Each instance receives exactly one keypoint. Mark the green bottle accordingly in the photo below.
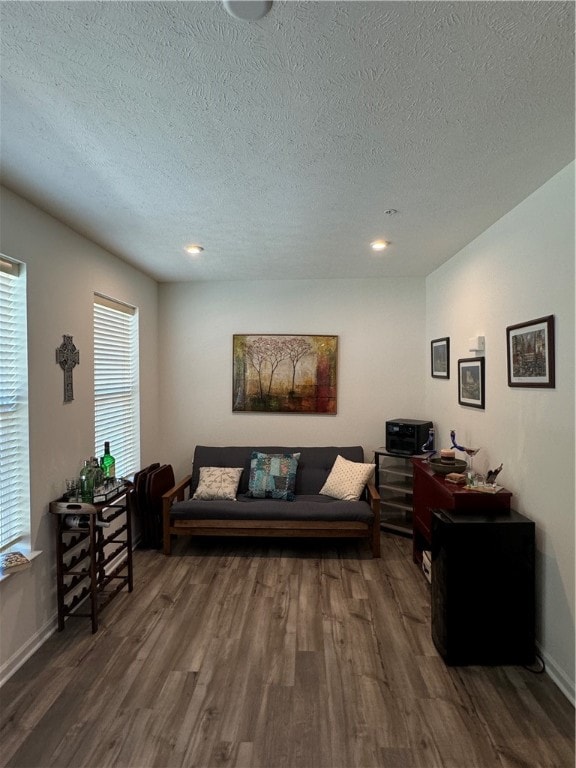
(108, 462)
(87, 483)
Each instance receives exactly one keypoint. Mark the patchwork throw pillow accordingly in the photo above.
(218, 483)
(347, 479)
(273, 475)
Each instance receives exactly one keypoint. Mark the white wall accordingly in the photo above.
(379, 324)
(520, 269)
(63, 271)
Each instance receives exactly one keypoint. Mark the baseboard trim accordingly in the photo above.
(558, 676)
(29, 648)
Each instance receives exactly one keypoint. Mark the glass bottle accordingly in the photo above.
(83, 522)
(108, 462)
(98, 474)
(87, 482)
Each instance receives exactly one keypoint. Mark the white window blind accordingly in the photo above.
(116, 383)
(14, 452)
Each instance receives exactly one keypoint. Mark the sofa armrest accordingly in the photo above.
(176, 493)
(373, 498)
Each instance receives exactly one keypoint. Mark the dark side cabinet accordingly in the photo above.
(483, 590)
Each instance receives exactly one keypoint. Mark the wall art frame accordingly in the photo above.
(530, 353)
(440, 358)
(284, 373)
(471, 382)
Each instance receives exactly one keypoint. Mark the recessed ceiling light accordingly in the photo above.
(194, 249)
(378, 245)
(247, 10)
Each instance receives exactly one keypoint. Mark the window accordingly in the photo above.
(14, 451)
(116, 383)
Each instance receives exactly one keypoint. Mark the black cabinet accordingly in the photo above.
(483, 589)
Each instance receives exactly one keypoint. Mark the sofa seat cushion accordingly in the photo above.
(304, 507)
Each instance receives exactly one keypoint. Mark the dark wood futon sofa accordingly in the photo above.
(309, 514)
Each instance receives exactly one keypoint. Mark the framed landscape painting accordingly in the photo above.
(471, 382)
(440, 358)
(276, 373)
(530, 352)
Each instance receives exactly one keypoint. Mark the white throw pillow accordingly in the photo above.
(347, 479)
(218, 483)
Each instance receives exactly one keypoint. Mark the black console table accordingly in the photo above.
(483, 588)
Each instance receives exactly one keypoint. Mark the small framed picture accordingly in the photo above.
(471, 382)
(440, 358)
(530, 349)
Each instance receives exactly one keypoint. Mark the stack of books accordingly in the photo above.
(13, 561)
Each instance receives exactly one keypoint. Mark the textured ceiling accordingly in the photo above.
(279, 144)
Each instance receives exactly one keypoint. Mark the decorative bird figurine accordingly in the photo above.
(492, 474)
(470, 451)
(428, 446)
(454, 443)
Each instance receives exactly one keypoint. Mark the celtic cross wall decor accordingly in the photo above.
(67, 356)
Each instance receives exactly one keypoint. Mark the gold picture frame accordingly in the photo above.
(284, 373)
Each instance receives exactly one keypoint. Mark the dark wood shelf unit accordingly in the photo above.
(435, 492)
(84, 556)
(394, 481)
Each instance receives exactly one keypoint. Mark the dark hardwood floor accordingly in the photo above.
(274, 655)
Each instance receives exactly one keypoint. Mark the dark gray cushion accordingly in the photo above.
(304, 507)
(314, 464)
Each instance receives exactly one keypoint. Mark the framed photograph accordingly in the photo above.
(275, 373)
(471, 382)
(440, 358)
(530, 349)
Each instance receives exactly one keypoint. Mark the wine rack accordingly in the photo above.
(93, 563)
